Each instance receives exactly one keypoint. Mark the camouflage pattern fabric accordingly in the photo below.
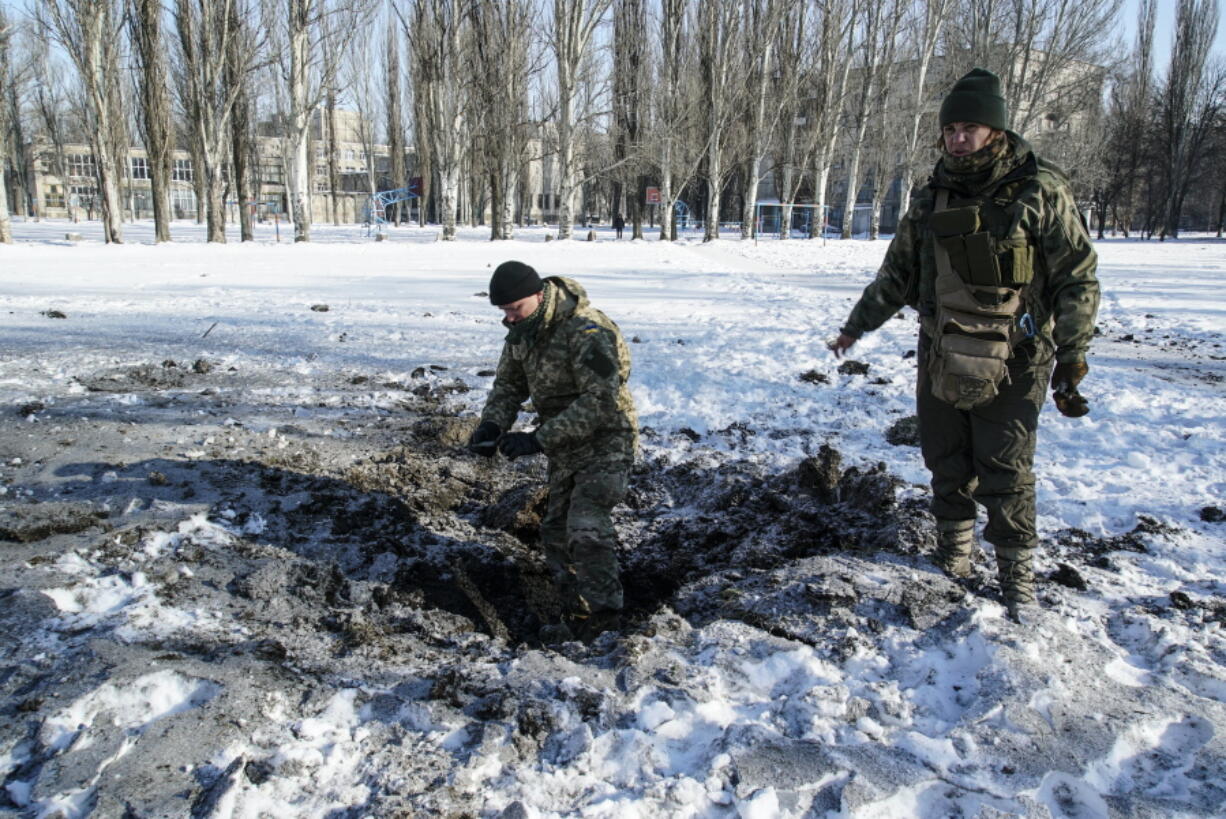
(986, 454)
(575, 369)
(578, 536)
(1063, 298)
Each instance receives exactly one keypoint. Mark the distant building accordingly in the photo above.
(61, 195)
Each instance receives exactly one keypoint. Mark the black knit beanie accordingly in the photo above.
(513, 281)
(976, 98)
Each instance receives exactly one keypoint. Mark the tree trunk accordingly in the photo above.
(300, 177)
(146, 33)
(242, 149)
(395, 124)
(6, 230)
(821, 180)
(668, 230)
(334, 176)
(573, 24)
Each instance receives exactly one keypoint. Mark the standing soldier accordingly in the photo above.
(572, 361)
(994, 256)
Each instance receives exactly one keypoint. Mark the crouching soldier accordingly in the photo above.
(572, 362)
(995, 258)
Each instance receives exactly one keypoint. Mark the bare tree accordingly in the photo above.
(502, 68)
(1191, 102)
(210, 81)
(145, 30)
(367, 89)
(88, 31)
(629, 107)
(835, 50)
(50, 103)
(241, 44)
(16, 77)
(885, 143)
(6, 80)
(332, 151)
(795, 143)
(1126, 129)
(1038, 47)
(574, 22)
(393, 82)
(671, 111)
(437, 30)
(927, 24)
(149, 48)
(766, 96)
(310, 36)
(879, 24)
(719, 37)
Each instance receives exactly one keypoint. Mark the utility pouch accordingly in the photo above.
(955, 221)
(972, 252)
(1015, 252)
(974, 329)
(1017, 261)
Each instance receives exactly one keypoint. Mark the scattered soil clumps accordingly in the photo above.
(34, 522)
(142, 377)
(904, 432)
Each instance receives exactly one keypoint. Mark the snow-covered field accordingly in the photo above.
(823, 681)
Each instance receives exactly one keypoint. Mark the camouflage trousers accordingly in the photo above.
(578, 536)
(986, 454)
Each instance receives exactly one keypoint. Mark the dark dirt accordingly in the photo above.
(389, 554)
(904, 432)
(850, 367)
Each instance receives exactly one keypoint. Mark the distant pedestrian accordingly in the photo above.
(994, 256)
(618, 224)
(570, 359)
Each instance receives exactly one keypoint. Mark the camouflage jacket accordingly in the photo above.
(575, 370)
(1062, 298)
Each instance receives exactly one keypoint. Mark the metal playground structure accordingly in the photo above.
(378, 203)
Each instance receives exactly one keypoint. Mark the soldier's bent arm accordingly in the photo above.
(1072, 287)
(889, 292)
(598, 377)
(509, 392)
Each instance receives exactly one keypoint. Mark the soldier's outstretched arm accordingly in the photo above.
(895, 285)
(509, 392)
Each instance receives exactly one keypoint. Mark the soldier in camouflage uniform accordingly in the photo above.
(1036, 243)
(570, 359)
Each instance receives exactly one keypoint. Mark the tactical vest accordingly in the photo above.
(984, 261)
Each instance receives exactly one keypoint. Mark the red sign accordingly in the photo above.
(653, 196)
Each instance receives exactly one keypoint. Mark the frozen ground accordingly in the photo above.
(248, 569)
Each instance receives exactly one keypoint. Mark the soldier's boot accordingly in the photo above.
(955, 543)
(1016, 575)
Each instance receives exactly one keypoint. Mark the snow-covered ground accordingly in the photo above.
(1114, 704)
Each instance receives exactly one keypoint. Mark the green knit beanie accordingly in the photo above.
(976, 98)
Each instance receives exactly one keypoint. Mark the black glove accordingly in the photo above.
(1064, 381)
(484, 440)
(515, 444)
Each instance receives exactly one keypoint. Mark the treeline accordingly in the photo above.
(594, 102)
